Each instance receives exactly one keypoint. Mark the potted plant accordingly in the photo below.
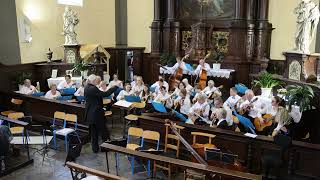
(300, 96)
(81, 67)
(167, 59)
(217, 57)
(266, 82)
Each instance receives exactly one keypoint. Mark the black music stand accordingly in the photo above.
(117, 142)
(218, 155)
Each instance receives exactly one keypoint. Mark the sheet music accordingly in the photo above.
(123, 103)
(250, 135)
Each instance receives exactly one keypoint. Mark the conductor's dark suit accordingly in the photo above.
(94, 114)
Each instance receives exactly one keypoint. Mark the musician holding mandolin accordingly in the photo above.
(199, 112)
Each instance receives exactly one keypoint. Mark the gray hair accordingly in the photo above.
(91, 79)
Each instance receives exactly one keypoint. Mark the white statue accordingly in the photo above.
(70, 20)
(307, 21)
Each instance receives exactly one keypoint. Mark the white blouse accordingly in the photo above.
(49, 95)
(28, 90)
(122, 94)
(79, 92)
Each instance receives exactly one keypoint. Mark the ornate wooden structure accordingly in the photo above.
(240, 28)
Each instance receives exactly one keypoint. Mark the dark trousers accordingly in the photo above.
(97, 130)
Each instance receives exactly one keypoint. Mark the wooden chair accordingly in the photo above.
(18, 130)
(65, 131)
(16, 103)
(190, 173)
(108, 114)
(169, 138)
(136, 133)
(153, 136)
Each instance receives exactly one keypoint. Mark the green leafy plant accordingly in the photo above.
(167, 59)
(21, 76)
(266, 80)
(80, 66)
(217, 55)
(300, 96)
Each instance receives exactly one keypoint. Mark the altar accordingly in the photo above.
(220, 73)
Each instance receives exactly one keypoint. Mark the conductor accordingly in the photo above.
(94, 113)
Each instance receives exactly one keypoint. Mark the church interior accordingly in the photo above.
(159, 89)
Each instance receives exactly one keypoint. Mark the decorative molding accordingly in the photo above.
(220, 40)
(186, 40)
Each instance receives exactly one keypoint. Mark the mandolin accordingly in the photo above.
(267, 119)
(214, 94)
(248, 107)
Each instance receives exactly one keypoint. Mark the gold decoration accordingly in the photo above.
(220, 40)
(186, 40)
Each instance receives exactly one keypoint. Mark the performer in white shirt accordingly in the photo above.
(202, 66)
(177, 90)
(52, 93)
(233, 99)
(66, 83)
(133, 83)
(138, 87)
(253, 105)
(125, 92)
(182, 103)
(160, 82)
(189, 88)
(27, 88)
(200, 108)
(210, 89)
(163, 97)
(80, 90)
(180, 63)
(197, 91)
(115, 82)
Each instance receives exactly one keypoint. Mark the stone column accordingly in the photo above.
(156, 29)
(171, 37)
(263, 31)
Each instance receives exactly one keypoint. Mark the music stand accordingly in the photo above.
(218, 155)
(117, 142)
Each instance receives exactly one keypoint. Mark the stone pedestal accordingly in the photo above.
(71, 53)
(301, 67)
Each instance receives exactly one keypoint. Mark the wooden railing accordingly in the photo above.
(300, 158)
(226, 173)
(77, 168)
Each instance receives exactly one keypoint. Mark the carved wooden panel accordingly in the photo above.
(221, 41)
(186, 40)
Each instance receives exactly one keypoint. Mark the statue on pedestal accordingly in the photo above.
(70, 20)
(307, 21)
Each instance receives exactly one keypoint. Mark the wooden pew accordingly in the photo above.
(77, 168)
(301, 157)
(226, 173)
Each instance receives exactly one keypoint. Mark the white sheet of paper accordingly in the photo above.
(54, 73)
(250, 135)
(123, 103)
